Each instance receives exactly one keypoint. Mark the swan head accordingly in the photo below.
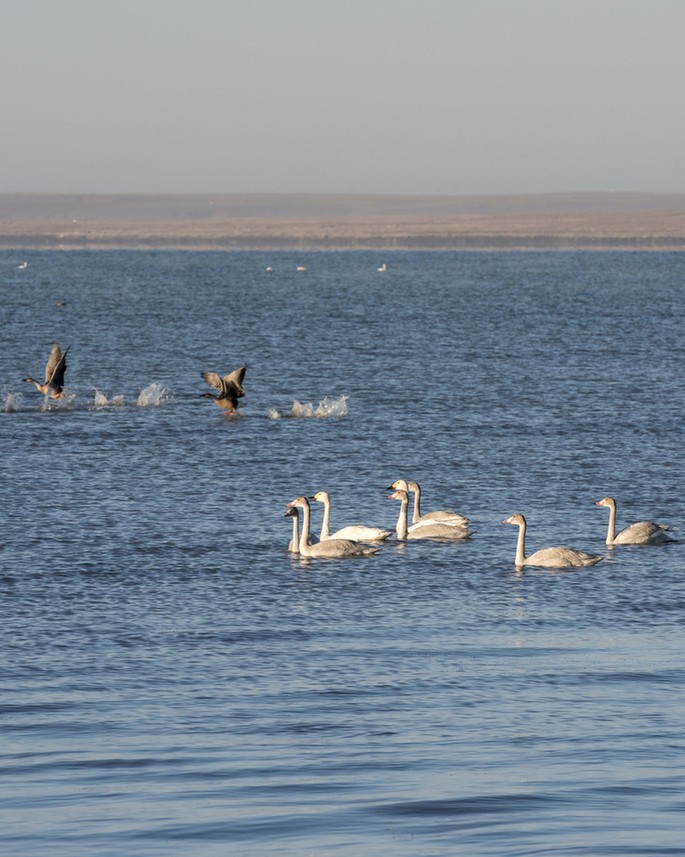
(320, 497)
(516, 519)
(399, 485)
(400, 494)
(413, 486)
(292, 512)
(299, 502)
(606, 501)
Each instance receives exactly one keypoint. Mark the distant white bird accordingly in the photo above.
(382, 268)
(23, 266)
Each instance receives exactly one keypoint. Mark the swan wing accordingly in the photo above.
(339, 548)
(643, 533)
(437, 530)
(360, 533)
(561, 557)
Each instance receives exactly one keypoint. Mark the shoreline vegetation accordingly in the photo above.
(563, 221)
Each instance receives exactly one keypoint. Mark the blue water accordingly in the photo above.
(175, 683)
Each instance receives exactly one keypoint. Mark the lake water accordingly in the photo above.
(175, 683)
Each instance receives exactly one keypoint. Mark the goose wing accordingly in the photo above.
(235, 380)
(215, 381)
(56, 366)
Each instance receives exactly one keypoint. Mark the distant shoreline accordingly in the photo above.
(342, 222)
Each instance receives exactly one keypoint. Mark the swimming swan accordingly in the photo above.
(294, 543)
(329, 548)
(54, 374)
(556, 557)
(230, 388)
(442, 516)
(357, 533)
(434, 530)
(640, 533)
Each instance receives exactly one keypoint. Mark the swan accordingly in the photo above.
(640, 533)
(230, 388)
(556, 557)
(434, 530)
(294, 543)
(54, 373)
(329, 548)
(442, 516)
(357, 533)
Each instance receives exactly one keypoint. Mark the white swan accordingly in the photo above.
(640, 533)
(442, 516)
(356, 532)
(556, 557)
(331, 547)
(434, 530)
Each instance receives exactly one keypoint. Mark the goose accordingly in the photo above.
(329, 548)
(442, 516)
(54, 373)
(230, 388)
(434, 530)
(640, 533)
(357, 533)
(556, 557)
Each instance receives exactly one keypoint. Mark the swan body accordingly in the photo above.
(441, 516)
(434, 530)
(54, 374)
(640, 533)
(555, 557)
(229, 387)
(356, 532)
(330, 547)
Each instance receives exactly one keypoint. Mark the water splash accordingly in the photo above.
(9, 402)
(101, 401)
(153, 395)
(326, 409)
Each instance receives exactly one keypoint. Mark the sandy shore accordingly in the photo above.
(345, 221)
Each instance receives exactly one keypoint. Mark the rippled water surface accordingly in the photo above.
(174, 682)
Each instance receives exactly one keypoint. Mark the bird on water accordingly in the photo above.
(54, 373)
(229, 387)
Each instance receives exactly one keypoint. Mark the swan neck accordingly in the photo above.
(521, 545)
(326, 523)
(304, 535)
(611, 532)
(402, 520)
(416, 516)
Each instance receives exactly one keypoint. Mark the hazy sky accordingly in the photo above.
(377, 96)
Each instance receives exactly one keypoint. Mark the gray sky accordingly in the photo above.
(371, 96)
